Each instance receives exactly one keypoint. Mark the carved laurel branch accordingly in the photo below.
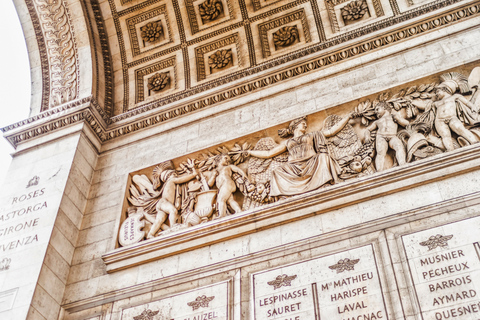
(401, 99)
(206, 161)
(61, 48)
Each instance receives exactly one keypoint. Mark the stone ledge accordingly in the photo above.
(303, 206)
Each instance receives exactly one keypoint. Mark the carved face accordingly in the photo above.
(301, 126)
(224, 160)
(379, 110)
(441, 93)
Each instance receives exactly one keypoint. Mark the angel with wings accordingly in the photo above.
(309, 164)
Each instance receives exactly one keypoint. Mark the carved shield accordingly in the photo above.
(131, 230)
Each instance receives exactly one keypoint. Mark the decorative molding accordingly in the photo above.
(161, 13)
(142, 73)
(107, 60)
(263, 28)
(368, 45)
(85, 114)
(62, 51)
(138, 7)
(42, 50)
(333, 16)
(210, 48)
(193, 18)
(442, 20)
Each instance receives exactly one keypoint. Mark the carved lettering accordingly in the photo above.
(442, 257)
(450, 283)
(284, 309)
(367, 316)
(349, 294)
(352, 280)
(283, 297)
(458, 312)
(18, 243)
(28, 196)
(445, 270)
(23, 211)
(18, 227)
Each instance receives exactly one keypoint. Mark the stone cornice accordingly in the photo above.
(108, 129)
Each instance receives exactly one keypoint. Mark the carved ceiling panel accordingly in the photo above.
(167, 48)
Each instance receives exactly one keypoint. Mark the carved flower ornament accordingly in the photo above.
(354, 10)
(158, 81)
(152, 31)
(285, 36)
(220, 59)
(210, 9)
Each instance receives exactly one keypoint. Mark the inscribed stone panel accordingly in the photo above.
(206, 303)
(445, 268)
(340, 286)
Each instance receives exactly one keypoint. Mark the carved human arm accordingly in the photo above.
(185, 178)
(211, 179)
(266, 154)
(370, 128)
(337, 127)
(400, 120)
(420, 104)
(238, 170)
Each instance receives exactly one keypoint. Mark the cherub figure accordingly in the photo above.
(387, 125)
(447, 110)
(165, 206)
(226, 185)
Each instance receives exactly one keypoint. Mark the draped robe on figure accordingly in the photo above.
(309, 166)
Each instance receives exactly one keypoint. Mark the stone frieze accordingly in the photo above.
(394, 129)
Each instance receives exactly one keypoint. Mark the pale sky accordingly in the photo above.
(15, 85)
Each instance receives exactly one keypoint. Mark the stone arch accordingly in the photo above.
(69, 59)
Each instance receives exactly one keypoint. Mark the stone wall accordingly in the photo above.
(397, 244)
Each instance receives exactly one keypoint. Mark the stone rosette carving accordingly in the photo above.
(345, 265)
(200, 302)
(354, 10)
(152, 31)
(282, 280)
(220, 59)
(158, 81)
(285, 36)
(436, 241)
(210, 10)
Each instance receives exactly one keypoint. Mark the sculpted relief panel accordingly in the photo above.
(414, 123)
